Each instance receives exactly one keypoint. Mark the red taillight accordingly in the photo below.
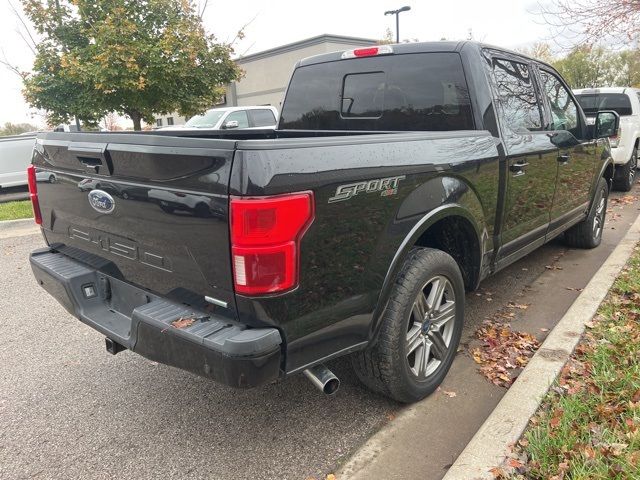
(265, 241)
(368, 51)
(33, 194)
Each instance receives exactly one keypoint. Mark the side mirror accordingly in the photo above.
(230, 124)
(607, 124)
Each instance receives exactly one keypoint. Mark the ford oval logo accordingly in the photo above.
(101, 201)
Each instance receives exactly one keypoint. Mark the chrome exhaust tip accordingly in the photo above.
(323, 379)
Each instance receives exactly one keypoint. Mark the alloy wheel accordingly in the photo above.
(431, 327)
(598, 220)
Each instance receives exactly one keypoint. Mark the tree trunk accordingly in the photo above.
(137, 121)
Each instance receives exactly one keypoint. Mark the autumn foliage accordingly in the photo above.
(133, 57)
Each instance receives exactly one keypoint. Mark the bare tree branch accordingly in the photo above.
(593, 21)
(33, 43)
(10, 66)
(204, 9)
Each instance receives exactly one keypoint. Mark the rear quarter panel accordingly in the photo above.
(347, 252)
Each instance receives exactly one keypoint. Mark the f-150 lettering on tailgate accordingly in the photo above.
(120, 246)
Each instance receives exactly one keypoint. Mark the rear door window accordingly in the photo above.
(410, 92)
(262, 118)
(517, 99)
(564, 111)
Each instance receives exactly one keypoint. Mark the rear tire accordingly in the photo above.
(588, 233)
(626, 175)
(420, 329)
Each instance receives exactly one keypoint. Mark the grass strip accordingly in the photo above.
(15, 210)
(588, 425)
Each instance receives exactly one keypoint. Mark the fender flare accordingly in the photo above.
(603, 168)
(428, 220)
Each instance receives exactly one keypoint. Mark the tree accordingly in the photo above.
(110, 122)
(133, 57)
(388, 38)
(595, 19)
(540, 51)
(16, 128)
(587, 66)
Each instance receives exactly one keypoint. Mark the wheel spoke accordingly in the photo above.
(435, 295)
(447, 312)
(414, 338)
(438, 345)
(420, 308)
(424, 359)
(418, 359)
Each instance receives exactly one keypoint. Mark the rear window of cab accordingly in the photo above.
(594, 103)
(409, 92)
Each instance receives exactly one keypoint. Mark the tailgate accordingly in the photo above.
(154, 208)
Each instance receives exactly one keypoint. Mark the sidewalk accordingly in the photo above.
(424, 440)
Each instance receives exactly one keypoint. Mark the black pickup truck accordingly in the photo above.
(399, 177)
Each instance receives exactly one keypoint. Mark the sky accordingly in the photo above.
(506, 23)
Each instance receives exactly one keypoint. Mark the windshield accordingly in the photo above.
(208, 120)
(594, 103)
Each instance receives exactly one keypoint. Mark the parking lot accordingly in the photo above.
(68, 406)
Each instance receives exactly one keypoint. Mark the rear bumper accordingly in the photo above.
(212, 346)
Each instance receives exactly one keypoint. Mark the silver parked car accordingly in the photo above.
(232, 118)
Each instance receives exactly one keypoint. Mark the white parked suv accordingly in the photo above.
(232, 118)
(624, 146)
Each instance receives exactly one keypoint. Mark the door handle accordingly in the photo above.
(518, 168)
(564, 158)
(92, 156)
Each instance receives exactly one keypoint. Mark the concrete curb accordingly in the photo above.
(23, 222)
(489, 446)
(18, 228)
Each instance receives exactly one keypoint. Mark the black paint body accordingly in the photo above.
(169, 232)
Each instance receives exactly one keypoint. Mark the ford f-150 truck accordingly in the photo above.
(399, 177)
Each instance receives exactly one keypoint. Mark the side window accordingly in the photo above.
(564, 112)
(240, 116)
(517, 96)
(262, 118)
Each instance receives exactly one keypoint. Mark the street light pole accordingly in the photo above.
(397, 14)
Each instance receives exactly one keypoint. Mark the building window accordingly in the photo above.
(169, 120)
(158, 122)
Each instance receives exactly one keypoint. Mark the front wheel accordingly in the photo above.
(588, 233)
(420, 329)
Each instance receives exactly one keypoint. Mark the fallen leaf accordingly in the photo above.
(449, 394)
(497, 472)
(514, 463)
(183, 322)
(331, 476)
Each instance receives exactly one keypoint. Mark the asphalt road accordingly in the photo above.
(69, 409)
